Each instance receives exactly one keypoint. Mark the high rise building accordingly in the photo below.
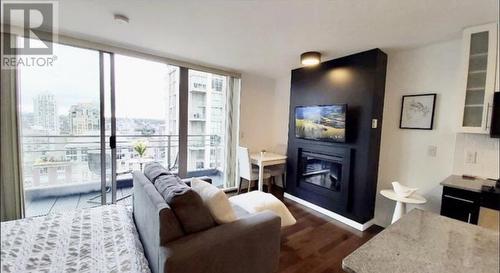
(206, 120)
(206, 117)
(216, 121)
(172, 101)
(84, 118)
(45, 113)
(64, 128)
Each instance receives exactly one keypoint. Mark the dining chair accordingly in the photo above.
(247, 171)
(277, 171)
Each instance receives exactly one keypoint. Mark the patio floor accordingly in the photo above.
(46, 205)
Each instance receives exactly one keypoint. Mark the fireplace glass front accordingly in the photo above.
(322, 170)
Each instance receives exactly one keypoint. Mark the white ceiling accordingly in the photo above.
(267, 37)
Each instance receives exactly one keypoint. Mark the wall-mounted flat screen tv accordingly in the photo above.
(323, 123)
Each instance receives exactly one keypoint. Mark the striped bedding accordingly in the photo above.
(101, 239)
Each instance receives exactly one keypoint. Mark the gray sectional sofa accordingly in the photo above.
(250, 244)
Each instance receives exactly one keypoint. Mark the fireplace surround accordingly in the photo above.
(339, 177)
(325, 172)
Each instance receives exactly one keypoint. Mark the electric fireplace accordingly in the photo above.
(322, 170)
(323, 175)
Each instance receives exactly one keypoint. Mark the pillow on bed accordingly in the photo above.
(216, 201)
(186, 204)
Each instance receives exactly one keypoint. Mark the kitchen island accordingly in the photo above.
(423, 241)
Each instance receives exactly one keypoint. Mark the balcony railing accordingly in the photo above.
(56, 160)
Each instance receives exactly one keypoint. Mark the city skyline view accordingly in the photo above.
(60, 118)
(75, 84)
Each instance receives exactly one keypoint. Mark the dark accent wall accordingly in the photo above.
(357, 80)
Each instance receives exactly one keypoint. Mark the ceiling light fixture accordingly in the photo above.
(121, 19)
(310, 58)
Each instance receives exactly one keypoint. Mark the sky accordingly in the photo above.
(140, 86)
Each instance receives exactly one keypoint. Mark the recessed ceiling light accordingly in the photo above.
(121, 19)
(310, 58)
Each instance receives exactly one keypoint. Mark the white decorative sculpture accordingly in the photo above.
(401, 190)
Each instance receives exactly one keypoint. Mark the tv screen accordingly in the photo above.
(324, 123)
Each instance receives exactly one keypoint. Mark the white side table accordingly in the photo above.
(401, 202)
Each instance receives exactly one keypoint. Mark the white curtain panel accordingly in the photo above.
(10, 172)
(232, 131)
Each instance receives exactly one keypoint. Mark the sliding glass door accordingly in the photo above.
(206, 125)
(147, 114)
(60, 115)
(148, 119)
(94, 117)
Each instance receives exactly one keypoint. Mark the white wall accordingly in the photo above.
(281, 111)
(256, 112)
(434, 68)
(404, 153)
(488, 158)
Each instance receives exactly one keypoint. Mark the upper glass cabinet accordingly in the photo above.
(480, 50)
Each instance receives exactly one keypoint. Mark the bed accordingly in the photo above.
(101, 239)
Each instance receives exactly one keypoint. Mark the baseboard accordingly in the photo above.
(331, 214)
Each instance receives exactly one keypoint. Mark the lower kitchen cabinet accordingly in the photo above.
(461, 205)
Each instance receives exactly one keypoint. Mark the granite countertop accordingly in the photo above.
(423, 241)
(458, 182)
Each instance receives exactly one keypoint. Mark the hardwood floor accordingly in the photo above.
(316, 243)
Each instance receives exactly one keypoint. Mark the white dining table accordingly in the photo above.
(266, 159)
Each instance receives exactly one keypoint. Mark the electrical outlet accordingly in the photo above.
(470, 157)
(432, 150)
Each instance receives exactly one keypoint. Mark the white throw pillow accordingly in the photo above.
(257, 201)
(216, 201)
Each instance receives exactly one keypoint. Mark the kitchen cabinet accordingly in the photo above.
(460, 204)
(497, 81)
(479, 76)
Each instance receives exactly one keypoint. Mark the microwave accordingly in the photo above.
(495, 116)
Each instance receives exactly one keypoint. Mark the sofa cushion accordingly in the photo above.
(216, 201)
(186, 204)
(153, 216)
(170, 186)
(154, 170)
